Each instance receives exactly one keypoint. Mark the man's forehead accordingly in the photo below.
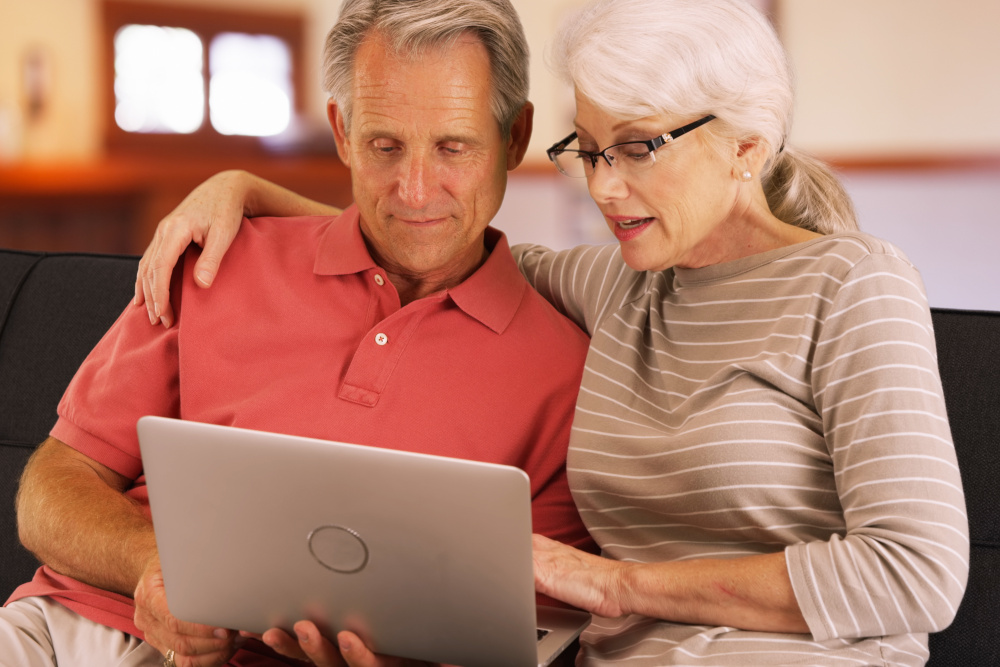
(398, 119)
(432, 89)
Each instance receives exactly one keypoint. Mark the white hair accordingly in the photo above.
(690, 58)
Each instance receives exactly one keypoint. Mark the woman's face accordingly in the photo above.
(679, 210)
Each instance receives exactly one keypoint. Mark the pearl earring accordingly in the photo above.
(747, 175)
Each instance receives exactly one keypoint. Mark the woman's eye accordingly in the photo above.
(637, 155)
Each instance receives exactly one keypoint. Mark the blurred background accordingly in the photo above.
(112, 110)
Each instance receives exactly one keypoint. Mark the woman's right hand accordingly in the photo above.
(209, 216)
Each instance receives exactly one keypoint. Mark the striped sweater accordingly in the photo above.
(785, 401)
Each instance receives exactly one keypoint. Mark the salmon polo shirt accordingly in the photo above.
(302, 333)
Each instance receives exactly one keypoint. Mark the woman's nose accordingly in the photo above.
(606, 182)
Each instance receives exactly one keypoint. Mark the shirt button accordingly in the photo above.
(379, 280)
(381, 339)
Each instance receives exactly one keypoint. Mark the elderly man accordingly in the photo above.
(402, 321)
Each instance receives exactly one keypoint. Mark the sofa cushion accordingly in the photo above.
(969, 359)
(54, 309)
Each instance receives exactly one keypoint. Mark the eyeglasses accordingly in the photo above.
(630, 156)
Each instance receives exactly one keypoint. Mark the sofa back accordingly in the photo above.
(53, 310)
(55, 307)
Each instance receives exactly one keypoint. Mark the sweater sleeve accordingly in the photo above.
(585, 283)
(902, 563)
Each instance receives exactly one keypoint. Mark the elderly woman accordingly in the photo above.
(760, 445)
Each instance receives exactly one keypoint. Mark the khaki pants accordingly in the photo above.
(39, 632)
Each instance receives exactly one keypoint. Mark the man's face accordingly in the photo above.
(428, 163)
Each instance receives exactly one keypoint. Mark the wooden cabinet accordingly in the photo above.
(114, 205)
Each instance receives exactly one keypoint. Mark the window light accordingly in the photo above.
(159, 86)
(250, 89)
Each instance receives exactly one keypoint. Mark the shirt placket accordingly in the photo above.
(381, 348)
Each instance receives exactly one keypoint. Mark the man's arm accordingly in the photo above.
(210, 216)
(73, 514)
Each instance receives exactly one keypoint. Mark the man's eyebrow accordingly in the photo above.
(470, 139)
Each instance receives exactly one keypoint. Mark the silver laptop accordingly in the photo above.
(423, 556)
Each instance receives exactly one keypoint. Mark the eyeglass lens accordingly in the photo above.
(629, 157)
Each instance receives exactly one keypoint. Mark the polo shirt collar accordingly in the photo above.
(491, 295)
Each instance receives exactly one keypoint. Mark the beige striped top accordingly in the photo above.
(784, 401)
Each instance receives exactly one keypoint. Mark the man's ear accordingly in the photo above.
(520, 135)
(336, 117)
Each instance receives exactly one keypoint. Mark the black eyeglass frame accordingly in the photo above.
(651, 144)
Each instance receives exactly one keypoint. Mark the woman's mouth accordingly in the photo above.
(626, 229)
(632, 224)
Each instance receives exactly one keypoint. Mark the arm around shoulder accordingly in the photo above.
(210, 216)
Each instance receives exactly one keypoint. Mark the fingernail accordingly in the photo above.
(156, 309)
(221, 633)
(344, 645)
(303, 637)
(152, 317)
(205, 278)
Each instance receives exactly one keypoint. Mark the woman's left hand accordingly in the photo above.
(586, 581)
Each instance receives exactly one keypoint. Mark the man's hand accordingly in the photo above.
(310, 644)
(194, 645)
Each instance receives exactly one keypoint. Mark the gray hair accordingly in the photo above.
(413, 26)
(638, 58)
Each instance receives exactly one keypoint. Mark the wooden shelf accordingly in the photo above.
(113, 205)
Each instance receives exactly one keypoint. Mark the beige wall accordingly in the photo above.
(65, 31)
(876, 77)
(895, 77)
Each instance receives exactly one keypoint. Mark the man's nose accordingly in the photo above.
(416, 182)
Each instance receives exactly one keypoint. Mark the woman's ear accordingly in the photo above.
(751, 154)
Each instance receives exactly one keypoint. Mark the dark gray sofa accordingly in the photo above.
(55, 307)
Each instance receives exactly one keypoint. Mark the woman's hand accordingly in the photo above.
(586, 581)
(750, 593)
(210, 216)
(309, 644)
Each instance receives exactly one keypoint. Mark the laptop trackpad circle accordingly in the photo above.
(338, 548)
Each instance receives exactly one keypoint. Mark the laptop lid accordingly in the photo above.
(423, 556)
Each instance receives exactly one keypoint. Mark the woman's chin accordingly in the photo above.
(640, 259)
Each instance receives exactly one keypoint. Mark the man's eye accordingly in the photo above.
(385, 147)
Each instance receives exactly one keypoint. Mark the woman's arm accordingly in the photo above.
(900, 564)
(751, 593)
(210, 216)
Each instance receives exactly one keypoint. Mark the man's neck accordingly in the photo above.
(412, 287)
